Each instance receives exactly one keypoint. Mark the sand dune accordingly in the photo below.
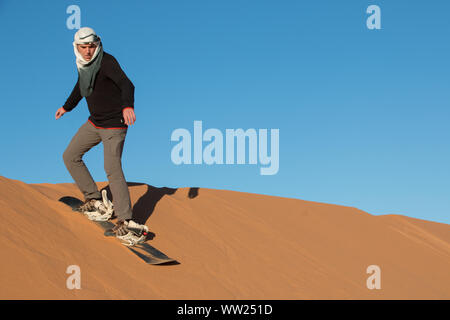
(230, 245)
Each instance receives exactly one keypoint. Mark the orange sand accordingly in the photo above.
(230, 245)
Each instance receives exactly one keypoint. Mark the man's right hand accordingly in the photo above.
(59, 113)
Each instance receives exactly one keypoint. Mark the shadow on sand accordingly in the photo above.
(145, 206)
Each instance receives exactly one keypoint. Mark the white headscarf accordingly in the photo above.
(87, 70)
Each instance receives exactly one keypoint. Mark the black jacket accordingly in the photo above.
(112, 93)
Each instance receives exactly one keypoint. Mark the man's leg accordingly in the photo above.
(82, 142)
(113, 142)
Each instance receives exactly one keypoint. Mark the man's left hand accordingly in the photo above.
(129, 116)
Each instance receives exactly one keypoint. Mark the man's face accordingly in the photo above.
(87, 50)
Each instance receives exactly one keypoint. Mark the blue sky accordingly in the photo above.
(363, 115)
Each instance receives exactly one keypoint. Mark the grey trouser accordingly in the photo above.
(113, 140)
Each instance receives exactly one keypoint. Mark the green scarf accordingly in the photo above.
(88, 70)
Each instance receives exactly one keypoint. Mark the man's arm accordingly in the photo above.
(115, 72)
(74, 97)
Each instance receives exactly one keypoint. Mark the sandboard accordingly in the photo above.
(146, 252)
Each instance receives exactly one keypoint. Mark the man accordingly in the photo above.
(110, 98)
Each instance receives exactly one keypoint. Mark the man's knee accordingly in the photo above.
(70, 157)
(66, 156)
